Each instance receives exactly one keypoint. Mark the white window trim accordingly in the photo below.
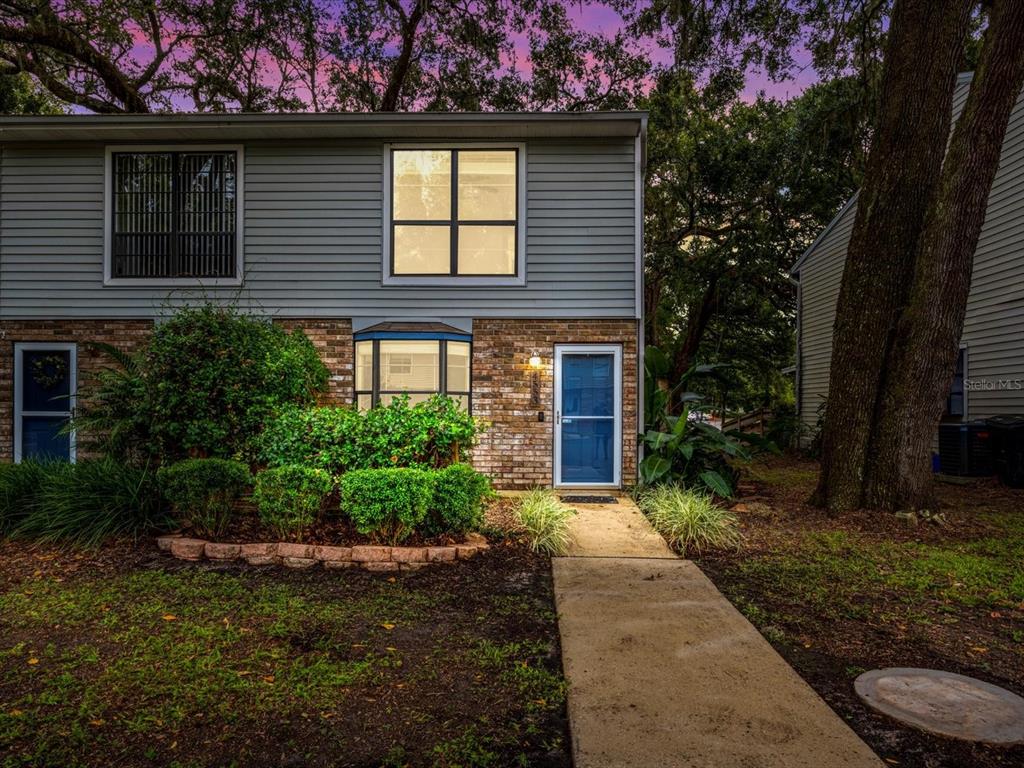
(19, 353)
(456, 281)
(616, 351)
(175, 282)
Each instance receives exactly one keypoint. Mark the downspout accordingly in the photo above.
(640, 163)
(798, 377)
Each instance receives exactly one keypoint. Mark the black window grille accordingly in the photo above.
(174, 215)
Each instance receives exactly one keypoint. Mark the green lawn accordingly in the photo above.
(840, 595)
(195, 667)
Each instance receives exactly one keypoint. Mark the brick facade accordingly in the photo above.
(125, 334)
(333, 340)
(518, 450)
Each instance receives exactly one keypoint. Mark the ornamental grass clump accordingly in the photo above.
(690, 521)
(88, 502)
(19, 485)
(545, 521)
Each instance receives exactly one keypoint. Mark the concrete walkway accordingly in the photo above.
(664, 673)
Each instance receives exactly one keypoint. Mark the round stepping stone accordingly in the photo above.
(945, 703)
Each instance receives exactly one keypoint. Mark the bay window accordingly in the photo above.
(419, 365)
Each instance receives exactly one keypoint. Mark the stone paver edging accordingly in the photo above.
(295, 555)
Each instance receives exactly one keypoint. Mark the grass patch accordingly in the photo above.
(783, 475)
(522, 665)
(136, 662)
(841, 575)
(160, 651)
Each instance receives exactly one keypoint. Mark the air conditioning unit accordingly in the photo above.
(965, 450)
(1008, 449)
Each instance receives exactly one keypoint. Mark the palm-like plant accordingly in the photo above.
(110, 417)
(681, 449)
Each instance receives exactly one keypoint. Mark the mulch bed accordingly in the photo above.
(501, 597)
(829, 653)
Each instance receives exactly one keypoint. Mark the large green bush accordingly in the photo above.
(431, 434)
(458, 503)
(387, 504)
(88, 502)
(289, 498)
(203, 491)
(205, 385)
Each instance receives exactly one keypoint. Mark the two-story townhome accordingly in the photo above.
(492, 257)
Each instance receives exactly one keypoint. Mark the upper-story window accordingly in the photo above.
(174, 216)
(455, 213)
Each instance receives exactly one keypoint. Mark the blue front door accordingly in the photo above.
(587, 408)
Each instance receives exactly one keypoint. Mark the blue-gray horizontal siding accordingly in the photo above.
(994, 323)
(313, 234)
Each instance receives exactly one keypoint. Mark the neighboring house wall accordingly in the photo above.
(313, 236)
(994, 325)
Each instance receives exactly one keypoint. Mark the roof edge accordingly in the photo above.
(793, 270)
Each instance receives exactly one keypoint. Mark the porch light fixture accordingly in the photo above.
(535, 365)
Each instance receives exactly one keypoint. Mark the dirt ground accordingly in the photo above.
(839, 596)
(123, 657)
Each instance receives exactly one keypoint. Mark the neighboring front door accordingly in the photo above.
(588, 413)
(44, 399)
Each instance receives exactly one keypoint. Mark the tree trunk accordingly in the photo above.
(396, 82)
(923, 358)
(901, 179)
(652, 299)
(698, 317)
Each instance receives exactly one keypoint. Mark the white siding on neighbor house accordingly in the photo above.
(313, 236)
(994, 324)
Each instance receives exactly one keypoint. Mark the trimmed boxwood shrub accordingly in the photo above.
(289, 498)
(458, 503)
(202, 491)
(430, 434)
(387, 504)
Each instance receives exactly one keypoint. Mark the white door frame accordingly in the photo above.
(19, 353)
(615, 350)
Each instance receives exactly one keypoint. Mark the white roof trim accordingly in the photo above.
(831, 225)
